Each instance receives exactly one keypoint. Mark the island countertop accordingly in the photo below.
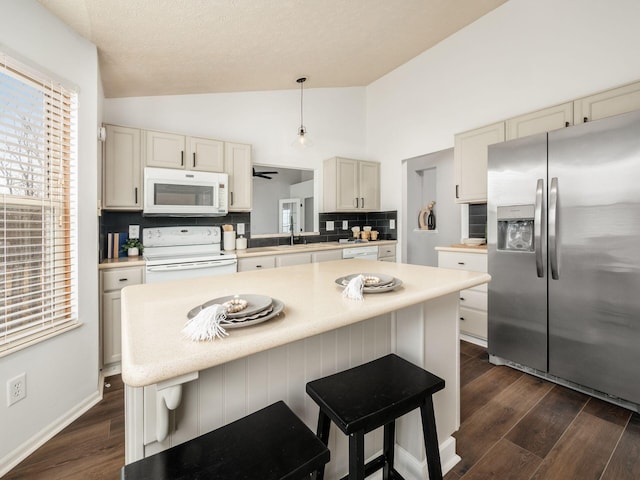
(153, 315)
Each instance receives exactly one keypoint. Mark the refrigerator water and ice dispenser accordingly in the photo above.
(515, 228)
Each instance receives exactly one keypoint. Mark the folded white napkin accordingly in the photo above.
(354, 288)
(206, 324)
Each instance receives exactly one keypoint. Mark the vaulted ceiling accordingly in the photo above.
(169, 47)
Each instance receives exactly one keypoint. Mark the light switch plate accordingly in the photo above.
(392, 224)
(329, 225)
(134, 231)
(345, 224)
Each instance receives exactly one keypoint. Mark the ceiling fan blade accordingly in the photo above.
(264, 174)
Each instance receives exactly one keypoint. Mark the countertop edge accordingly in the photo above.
(139, 375)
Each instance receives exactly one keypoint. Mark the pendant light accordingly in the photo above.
(302, 140)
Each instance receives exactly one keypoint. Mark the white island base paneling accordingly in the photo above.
(425, 334)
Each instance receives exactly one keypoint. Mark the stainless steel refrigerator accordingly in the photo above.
(564, 255)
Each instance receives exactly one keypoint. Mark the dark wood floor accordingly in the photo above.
(91, 448)
(518, 427)
(513, 426)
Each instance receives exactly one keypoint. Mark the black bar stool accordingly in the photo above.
(364, 398)
(269, 444)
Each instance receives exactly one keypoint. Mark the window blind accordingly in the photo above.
(38, 185)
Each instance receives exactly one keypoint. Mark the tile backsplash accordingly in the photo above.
(478, 220)
(380, 221)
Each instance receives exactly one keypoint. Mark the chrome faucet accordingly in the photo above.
(291, 228)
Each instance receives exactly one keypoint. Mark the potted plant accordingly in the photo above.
(133, 247)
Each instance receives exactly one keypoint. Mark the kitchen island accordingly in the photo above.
(177, 389)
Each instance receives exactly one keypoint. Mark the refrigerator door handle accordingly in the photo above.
(553, 228)
(537, 228)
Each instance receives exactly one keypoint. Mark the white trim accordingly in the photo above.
(44, 435)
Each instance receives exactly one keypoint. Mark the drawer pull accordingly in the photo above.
(461, 318)
(258, 266)
(462, 299)
(460, 263)
(123, 280)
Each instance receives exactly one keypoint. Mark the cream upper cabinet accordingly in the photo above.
(205, 154)
(164, 150)
(122, 169)
(470, 161)
(350, 185)
(237, 163)
(170, 150)
(546, 120)
(606, 104)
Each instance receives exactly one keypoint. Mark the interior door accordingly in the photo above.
(594, 312)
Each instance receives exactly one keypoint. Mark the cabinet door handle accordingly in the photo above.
(194, 159)
(362, 198)
(356, 202)
(182, 158)
(231, 193)
(585, 119)
(135, 194)
(457, 196)
(566, 124)
(123, 280)
(461, 318)
(462, 299)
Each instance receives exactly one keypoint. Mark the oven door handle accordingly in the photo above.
(191, 266)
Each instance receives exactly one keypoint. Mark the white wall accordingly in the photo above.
(61, 373)
(523, 56)
(335, 121)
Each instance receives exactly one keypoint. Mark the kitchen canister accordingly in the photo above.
(241, 243)
(229, 239)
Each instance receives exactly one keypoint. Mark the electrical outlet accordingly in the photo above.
(329, 225)
(240, 228)
(345, 224)
(392, 224)
(16, 389)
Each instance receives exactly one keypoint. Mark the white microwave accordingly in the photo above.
(184, 193)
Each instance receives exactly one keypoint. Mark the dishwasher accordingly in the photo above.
(363, 253)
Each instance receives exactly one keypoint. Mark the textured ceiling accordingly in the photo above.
(165, 47)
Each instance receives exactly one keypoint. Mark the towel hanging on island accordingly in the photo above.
(354, 288)
(205, 326)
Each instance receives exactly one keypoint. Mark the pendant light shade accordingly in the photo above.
(302, 139)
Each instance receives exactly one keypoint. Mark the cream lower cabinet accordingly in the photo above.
(387, 253)
(350, 185)
(238, 165)
(473, 301)
(606, 104)
(112, 282)
(470, 156)
(291, 259)
(326, 255)
(248, 264)
(122, 169)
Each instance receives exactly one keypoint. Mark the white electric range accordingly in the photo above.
(174, 253)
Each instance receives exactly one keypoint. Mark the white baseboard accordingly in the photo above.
(475, 340)
(11, 460)
(113, 369)
(413, 469)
